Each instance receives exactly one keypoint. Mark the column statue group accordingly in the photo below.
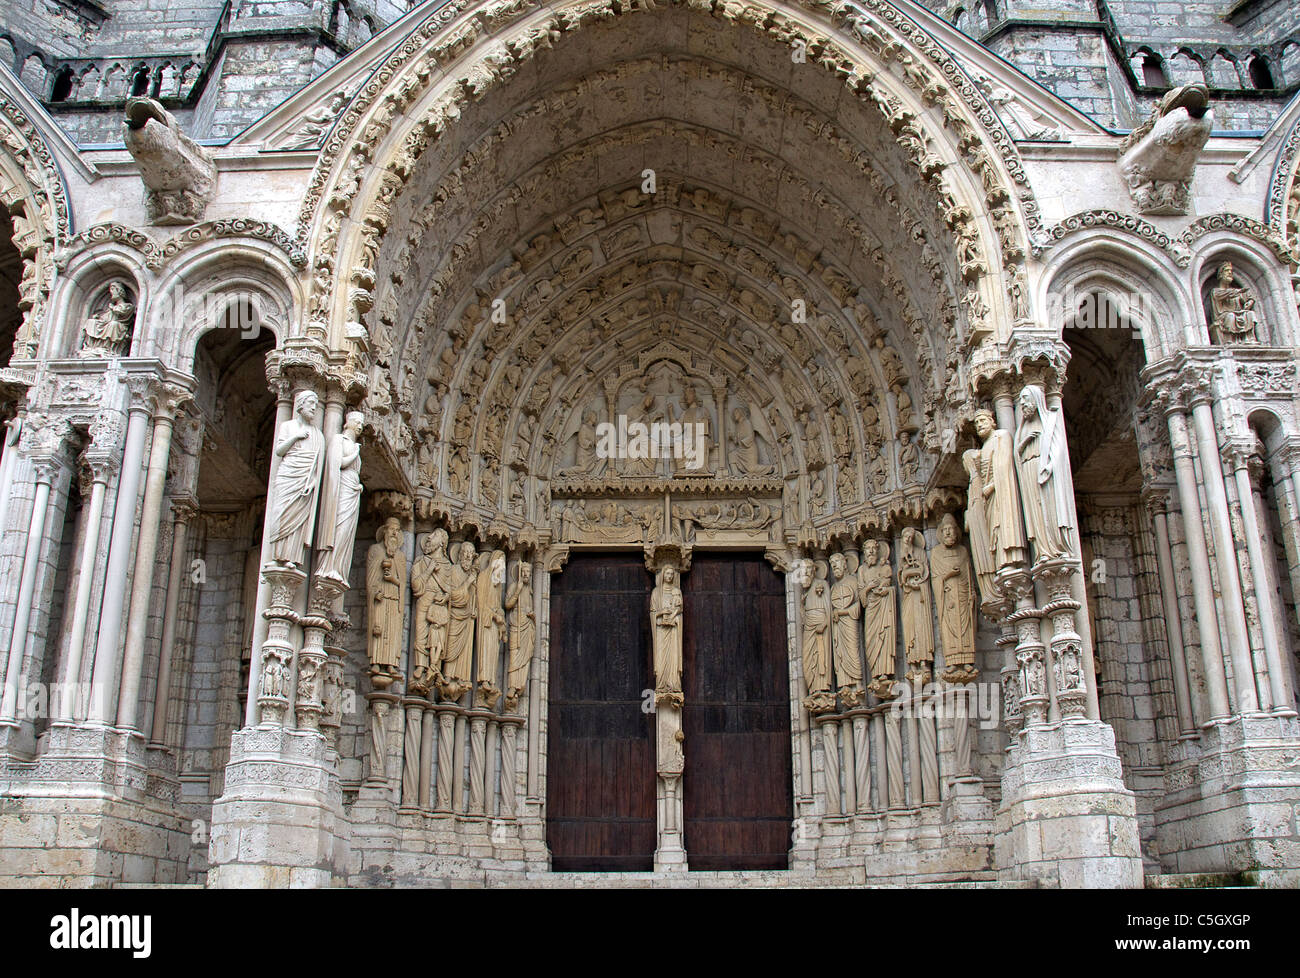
(1018, 499)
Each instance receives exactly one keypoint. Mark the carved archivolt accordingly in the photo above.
(886, 66)
(155, 256)
(32, 192)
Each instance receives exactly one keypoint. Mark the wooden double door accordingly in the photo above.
(601, 781)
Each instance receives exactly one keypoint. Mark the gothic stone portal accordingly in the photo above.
(736, 719)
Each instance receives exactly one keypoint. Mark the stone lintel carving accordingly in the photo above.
(1158, 158)
(179, 175)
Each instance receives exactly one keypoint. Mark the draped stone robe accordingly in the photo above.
(296, 483)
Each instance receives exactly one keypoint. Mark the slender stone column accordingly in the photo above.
(862, 761)
(897, 788)
(182, 512)
(1279, 697)
(1158, 503)
(13, 432)
(377, 769)
(411, 742)
(100, 469)
(1207, 617)
(509, 750)
(477, 761)
(428, 730)
(831, 765)
(44, 472)
(167, 401)
(850, 767)
(273, 686)
(261, 624)
(103, 706)
(914, 721)
(308, 699)
(334, 698)
(1225, 551)
(446, 752)
(1030, 653)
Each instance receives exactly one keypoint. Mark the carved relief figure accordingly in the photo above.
(694, 413)
(430, 582)
(918, 627)
(666, 616)
(341, 500)
(297, 481)
(909, 457)
(817, 639)
(462, 610)
(742, 445)
(522, 632)
(1235, 319)
(997, 488)
(586, 460)
(491, 626)
(107, 333)
(879, 615)
(1044, 475)
(846, 644)
(954, 602)
(385, 594)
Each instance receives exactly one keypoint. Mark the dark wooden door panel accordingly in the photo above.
(738, 790)
(600, 770)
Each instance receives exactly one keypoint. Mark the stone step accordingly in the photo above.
(1197, 881)
(741, 879)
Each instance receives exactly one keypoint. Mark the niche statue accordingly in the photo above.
(385, 594)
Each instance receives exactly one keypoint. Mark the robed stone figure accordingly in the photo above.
(522, 632)
(954, 602)
(918, 619)
(462, 610)
(1043, 463)
(666, 617)
(817, 640)
(997, 488)
(341, 500)
(430, 582)
(879, 615)
(846, 634)
(301, 452)
(491, 625)
(386, 597)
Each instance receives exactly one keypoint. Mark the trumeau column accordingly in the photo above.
(167, 401)
(103, 703)
(668, 562)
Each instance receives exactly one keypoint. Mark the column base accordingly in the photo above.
(1066, 818)
(92, 809)
(966, 815)
(280, 821)
(1230, 801)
